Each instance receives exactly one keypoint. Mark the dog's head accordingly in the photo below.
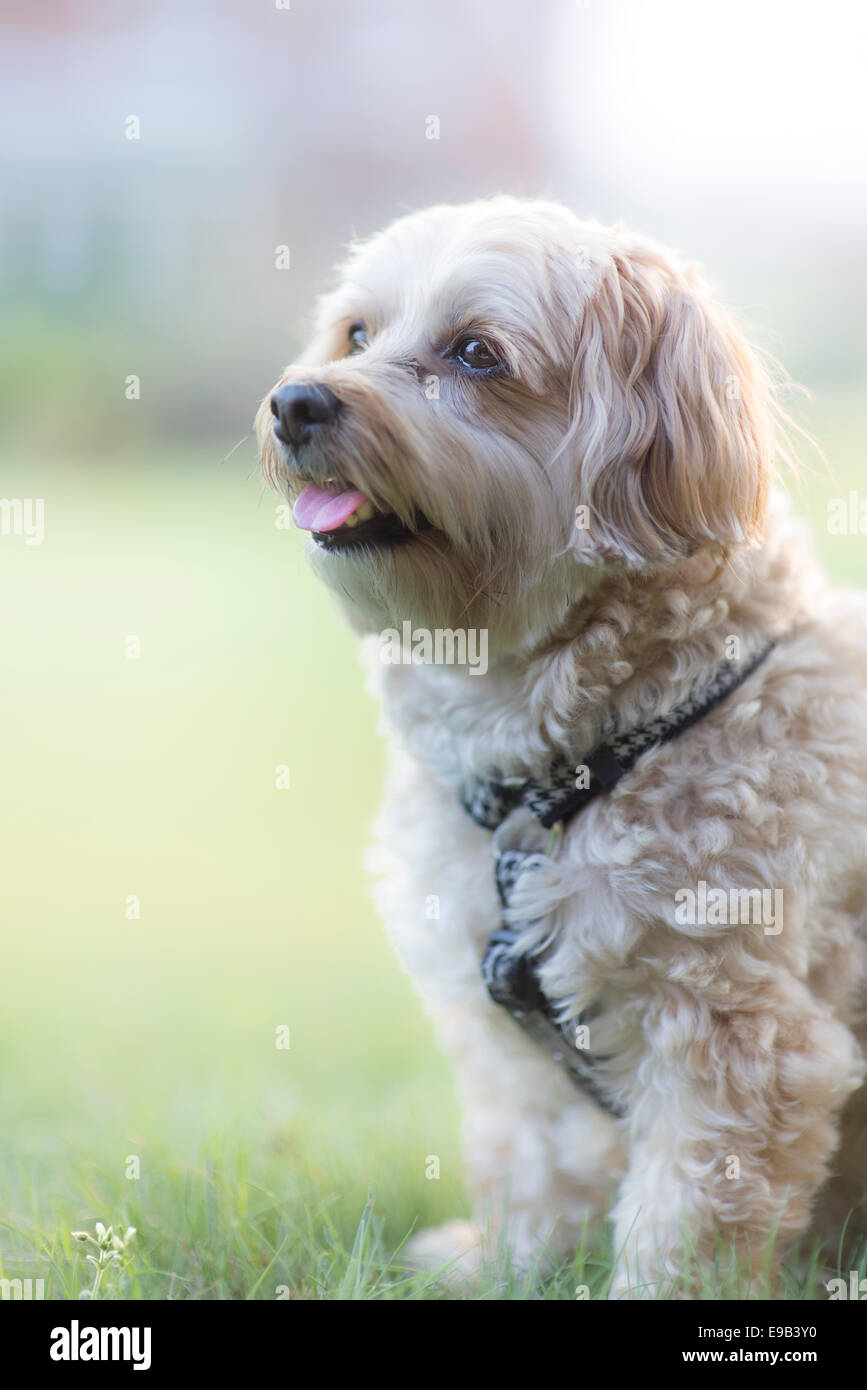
(501, 402)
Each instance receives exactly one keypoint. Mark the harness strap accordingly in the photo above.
(556, 798)
(510, 975)
(512, 982)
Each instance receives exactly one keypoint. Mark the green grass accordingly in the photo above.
(154, 1038)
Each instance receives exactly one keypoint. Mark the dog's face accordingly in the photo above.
(499, 403)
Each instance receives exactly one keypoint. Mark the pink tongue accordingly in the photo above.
(323, 509)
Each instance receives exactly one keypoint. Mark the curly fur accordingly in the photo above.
(629, 391)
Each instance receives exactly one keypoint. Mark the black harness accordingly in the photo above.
(510, 976)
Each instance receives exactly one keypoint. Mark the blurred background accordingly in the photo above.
(166, 904)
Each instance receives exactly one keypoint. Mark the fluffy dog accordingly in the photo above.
(516, 422)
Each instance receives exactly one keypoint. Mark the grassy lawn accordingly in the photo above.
(141, 1083)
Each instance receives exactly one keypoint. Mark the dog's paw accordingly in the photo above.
(453, 1251)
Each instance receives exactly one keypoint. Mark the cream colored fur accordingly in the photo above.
(632, 393)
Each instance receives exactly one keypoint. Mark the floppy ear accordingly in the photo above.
(673, 418)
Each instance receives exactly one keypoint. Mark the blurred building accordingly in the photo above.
(724, 130)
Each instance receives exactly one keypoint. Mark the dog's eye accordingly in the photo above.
(475, 353)
(357, 337)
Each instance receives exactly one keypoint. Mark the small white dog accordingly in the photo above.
(517, 424)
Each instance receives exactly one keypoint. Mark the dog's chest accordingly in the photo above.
(438, 888)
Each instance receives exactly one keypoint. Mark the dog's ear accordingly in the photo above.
(673, 418)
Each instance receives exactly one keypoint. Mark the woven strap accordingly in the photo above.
(512, 982)
(510, 975)
(556, 798)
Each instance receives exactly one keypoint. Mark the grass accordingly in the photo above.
(147, 1044)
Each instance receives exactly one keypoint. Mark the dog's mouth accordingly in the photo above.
(339, 517)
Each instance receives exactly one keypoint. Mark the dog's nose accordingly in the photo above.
(301, 409)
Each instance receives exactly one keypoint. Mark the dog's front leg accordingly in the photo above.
(542, 1158)
(732, 1132)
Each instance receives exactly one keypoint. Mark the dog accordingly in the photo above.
(513, 422)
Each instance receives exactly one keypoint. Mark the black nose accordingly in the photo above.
(300, 410)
